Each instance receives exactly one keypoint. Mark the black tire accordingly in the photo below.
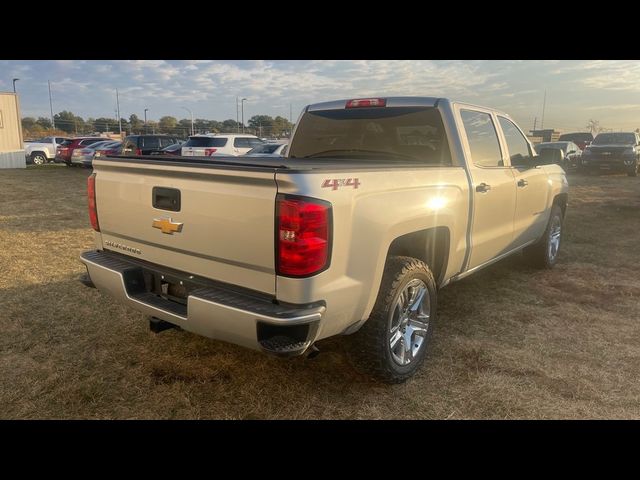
(539, 254)
(634, 171)
(38, 158)
(370, 349)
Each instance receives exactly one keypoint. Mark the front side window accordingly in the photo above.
(482, 138)
(519, 152)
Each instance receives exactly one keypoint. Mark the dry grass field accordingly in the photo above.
(509, 342)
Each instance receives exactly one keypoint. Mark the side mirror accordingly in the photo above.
(549, 156)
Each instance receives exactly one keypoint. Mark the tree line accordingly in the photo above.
(67, 123)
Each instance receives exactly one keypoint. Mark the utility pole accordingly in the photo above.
(242, 107)
(145, 120)
(119, 119)
(290, 119)
(535, 122)
(53, 122)
(237, 117)
(544, 104)
(191, 113)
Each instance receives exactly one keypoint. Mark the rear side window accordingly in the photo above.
(519, 152)
(205, 142)
(150, 142)
(482, 138)
(130, 145)
(165, 142)
(396, 134)
(66, 143)
(89, 141)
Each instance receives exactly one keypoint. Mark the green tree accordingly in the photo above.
(28, 123)
(281, 127)
(68, 122)
(229, 126)
(44, 123)
(168, 124)
(104, 124)
(261, 123)
(136, 125)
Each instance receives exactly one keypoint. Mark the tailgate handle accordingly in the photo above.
(165, 198)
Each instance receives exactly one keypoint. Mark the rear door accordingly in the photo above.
(532, 189)
(214, 222)
(150, 145)
(493, 187)
(242, 145)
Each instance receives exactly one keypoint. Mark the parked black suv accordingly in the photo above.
(146, 144)
(616, 151)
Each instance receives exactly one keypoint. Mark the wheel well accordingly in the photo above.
(561, 200)
(430, 245)
(36, 152)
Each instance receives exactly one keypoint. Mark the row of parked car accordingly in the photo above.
(608, 151)
(82, 150)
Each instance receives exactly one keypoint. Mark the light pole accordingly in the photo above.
(237, 117)
(118, 114)
(14, 84)
(53, 121)
(190, 112)
(145, 119)
(242, 107)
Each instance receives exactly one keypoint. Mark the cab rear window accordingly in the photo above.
(205, 142)
(397, 134)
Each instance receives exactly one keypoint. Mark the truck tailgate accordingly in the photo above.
(227, 217)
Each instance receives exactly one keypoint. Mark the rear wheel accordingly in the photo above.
(38, 158)
(393, 342)
(544, 253)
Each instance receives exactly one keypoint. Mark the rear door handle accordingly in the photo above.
(483, 188)
(522, 183)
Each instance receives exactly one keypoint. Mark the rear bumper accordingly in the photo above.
(214, 311)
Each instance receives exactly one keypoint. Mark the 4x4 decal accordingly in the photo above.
(336, 183)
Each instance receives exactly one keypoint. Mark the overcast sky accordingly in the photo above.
(607, 90)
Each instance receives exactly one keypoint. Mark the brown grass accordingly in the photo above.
(510, 342)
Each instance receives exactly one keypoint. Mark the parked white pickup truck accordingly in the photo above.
(379, 203)
(43, 150)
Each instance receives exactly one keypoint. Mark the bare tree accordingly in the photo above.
(594, 127)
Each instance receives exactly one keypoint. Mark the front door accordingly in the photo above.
(493, 189)
(532, 189)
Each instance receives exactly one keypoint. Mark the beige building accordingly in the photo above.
(11, 142)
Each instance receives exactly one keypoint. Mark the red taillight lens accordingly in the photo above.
(303, 235)
(366, 102)
(91, 195)
(209, 151)
(138, 151)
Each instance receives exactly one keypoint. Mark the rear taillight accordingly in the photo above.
(366, 102)
(91, 195)
(303, 229)
(209, 151)
(138, 151)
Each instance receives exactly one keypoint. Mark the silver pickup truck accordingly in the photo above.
(379, 203)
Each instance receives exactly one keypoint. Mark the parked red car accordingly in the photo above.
(65, 150)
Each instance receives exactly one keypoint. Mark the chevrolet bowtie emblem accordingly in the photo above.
(166, 225)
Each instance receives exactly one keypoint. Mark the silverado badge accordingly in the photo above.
(166, 225)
